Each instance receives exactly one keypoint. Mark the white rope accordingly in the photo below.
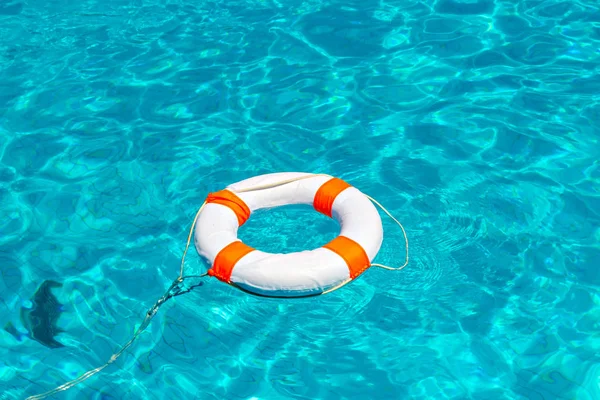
(403, 232)
(189, 239)
(178, 290)
(280, 183)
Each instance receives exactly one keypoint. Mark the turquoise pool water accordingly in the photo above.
(476, 123)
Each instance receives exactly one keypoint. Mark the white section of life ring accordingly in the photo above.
(289, 274)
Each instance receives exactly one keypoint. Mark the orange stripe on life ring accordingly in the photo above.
(355, 256)
(226, 259)
(327, 193)
(229, 199)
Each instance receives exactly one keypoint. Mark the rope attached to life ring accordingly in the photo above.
(177, 288)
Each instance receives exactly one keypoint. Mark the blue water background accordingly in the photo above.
(476, 123)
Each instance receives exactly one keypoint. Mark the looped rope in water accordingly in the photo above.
(189, 239)
(176, 288)
(403, 232)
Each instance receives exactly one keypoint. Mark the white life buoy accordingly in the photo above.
(296, 274)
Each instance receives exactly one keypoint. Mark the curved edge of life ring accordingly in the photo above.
(296, 274)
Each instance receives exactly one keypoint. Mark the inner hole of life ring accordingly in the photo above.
(288, 229)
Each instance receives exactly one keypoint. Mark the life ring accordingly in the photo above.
(298, 274)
